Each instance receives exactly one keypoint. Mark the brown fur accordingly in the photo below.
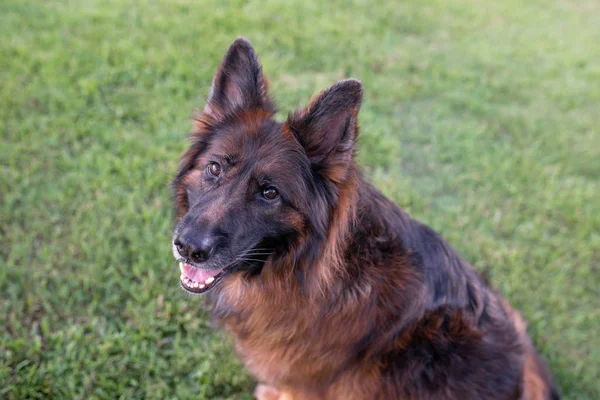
(356, 300)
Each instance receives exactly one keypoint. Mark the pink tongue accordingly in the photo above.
(199, 275)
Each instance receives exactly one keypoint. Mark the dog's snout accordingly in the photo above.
(195, 247)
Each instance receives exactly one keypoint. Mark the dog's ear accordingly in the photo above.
(327, 128)
(239, 83)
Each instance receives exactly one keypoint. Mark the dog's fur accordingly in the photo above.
(332, 291)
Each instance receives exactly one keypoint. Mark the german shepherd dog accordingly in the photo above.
(330, 290)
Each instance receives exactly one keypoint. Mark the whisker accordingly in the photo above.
(257, 254)
(260, 249)
(251, 259)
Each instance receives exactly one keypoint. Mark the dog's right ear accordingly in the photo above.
(238, 84)
(327, 128)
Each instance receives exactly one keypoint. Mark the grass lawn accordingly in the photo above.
(481, 118)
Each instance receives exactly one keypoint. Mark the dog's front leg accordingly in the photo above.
(266, 392)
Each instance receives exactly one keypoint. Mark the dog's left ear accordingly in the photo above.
(327, 128)
(239, 83)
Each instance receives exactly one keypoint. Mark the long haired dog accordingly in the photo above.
(329, 289)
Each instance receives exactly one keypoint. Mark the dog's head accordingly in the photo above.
(252, 189)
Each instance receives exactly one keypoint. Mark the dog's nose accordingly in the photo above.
(197, 248)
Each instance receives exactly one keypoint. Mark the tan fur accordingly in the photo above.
(534, 385)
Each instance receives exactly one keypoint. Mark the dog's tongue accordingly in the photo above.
(199, 275)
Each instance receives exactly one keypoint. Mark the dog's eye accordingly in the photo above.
(270, 193)
(214, 169)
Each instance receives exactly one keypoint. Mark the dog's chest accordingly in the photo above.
(291, 347)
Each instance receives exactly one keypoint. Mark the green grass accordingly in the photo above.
(481, 118)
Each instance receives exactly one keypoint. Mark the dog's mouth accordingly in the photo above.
(196, 280)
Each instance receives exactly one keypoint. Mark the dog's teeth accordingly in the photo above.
(209, 280)
(180, 264)
(195, 285)
(202, 286)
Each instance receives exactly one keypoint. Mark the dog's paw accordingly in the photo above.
(266, 392)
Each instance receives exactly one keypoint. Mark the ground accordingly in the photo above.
(481, 118)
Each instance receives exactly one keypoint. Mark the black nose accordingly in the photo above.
(195, 247)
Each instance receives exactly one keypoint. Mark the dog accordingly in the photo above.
(329, 289)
